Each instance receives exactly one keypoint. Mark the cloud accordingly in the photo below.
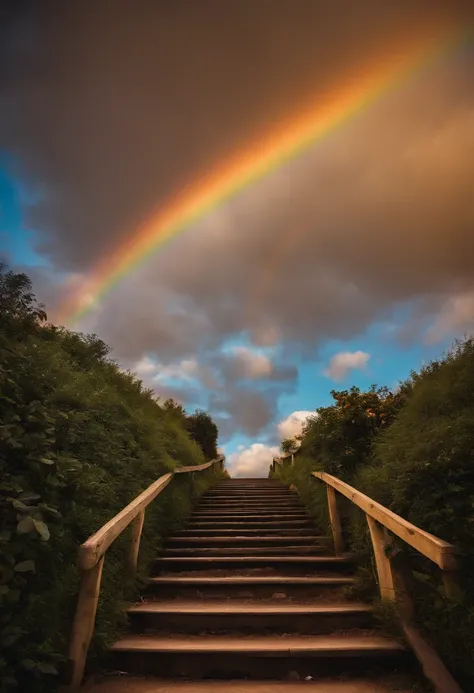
(253, 461)
(225, 383)
(254, 365)
(346, 361)
(185, 370)
(143, 104)
(293, 424)
(456, 315)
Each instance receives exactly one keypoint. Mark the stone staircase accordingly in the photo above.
(250, 591)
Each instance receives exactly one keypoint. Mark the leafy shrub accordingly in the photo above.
(339, 437)
(423, 469)
(79, 439)
(413, 452)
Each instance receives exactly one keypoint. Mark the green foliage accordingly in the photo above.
(288, 445)
(339, 437)
(413, 452)
(203, 430)
(423, 469)
(79, 439)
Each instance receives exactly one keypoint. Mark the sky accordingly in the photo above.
(350, 263)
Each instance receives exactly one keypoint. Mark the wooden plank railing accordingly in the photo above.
(91, 560)
(381, 521)
(394, 577)
(283, 460)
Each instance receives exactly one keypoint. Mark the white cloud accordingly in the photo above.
(345, 361)
(254, 364)
(456, 315)
(253, 461)
(144, 366)
(293, 424)
(155, 372)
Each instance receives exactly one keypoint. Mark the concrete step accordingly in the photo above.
(286, 564)
(248, 586)
(288, 550)
(242, 539)
(130, 684)
(261, 657)
(196, 616)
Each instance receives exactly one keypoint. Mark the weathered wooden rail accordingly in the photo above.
(91, 560)
(393, 579)
(381, 521)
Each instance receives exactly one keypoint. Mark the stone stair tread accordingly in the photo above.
(244, 607)
(300, 645)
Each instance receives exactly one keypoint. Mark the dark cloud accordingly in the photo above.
(107, 110)
(109, 107)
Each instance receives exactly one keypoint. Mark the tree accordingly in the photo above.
(20, 314)
(288, 445)
(204, 431)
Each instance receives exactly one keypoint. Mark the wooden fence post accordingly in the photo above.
(451, 585)
(137, 527)
(384, 568)
(335, 521)
(84, 620)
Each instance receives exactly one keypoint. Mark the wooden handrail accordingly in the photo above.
(198, 468)
(92, 550)
(91, 560)
(437, 550)
(394, 575)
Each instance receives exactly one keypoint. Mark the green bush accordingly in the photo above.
(413, 452)
(423, 469)
(79, 439)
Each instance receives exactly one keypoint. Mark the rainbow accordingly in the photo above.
(226, 180)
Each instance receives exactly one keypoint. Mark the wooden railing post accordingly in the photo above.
(137, 527)
(382, 561)
(335, 521)
(451, 585)
(84, 620)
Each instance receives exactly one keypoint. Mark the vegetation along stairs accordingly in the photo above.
(250, 591)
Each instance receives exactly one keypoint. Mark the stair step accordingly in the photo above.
(251, 524)
(250, 507)
(264, 657)
(239, 616)
(251, 493)
(130, 684)
(289, 550)
(248, 532)
(242, 539)
(244, 587)
(287, 563)
(248, 515)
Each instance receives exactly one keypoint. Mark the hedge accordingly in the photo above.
(79, 439)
